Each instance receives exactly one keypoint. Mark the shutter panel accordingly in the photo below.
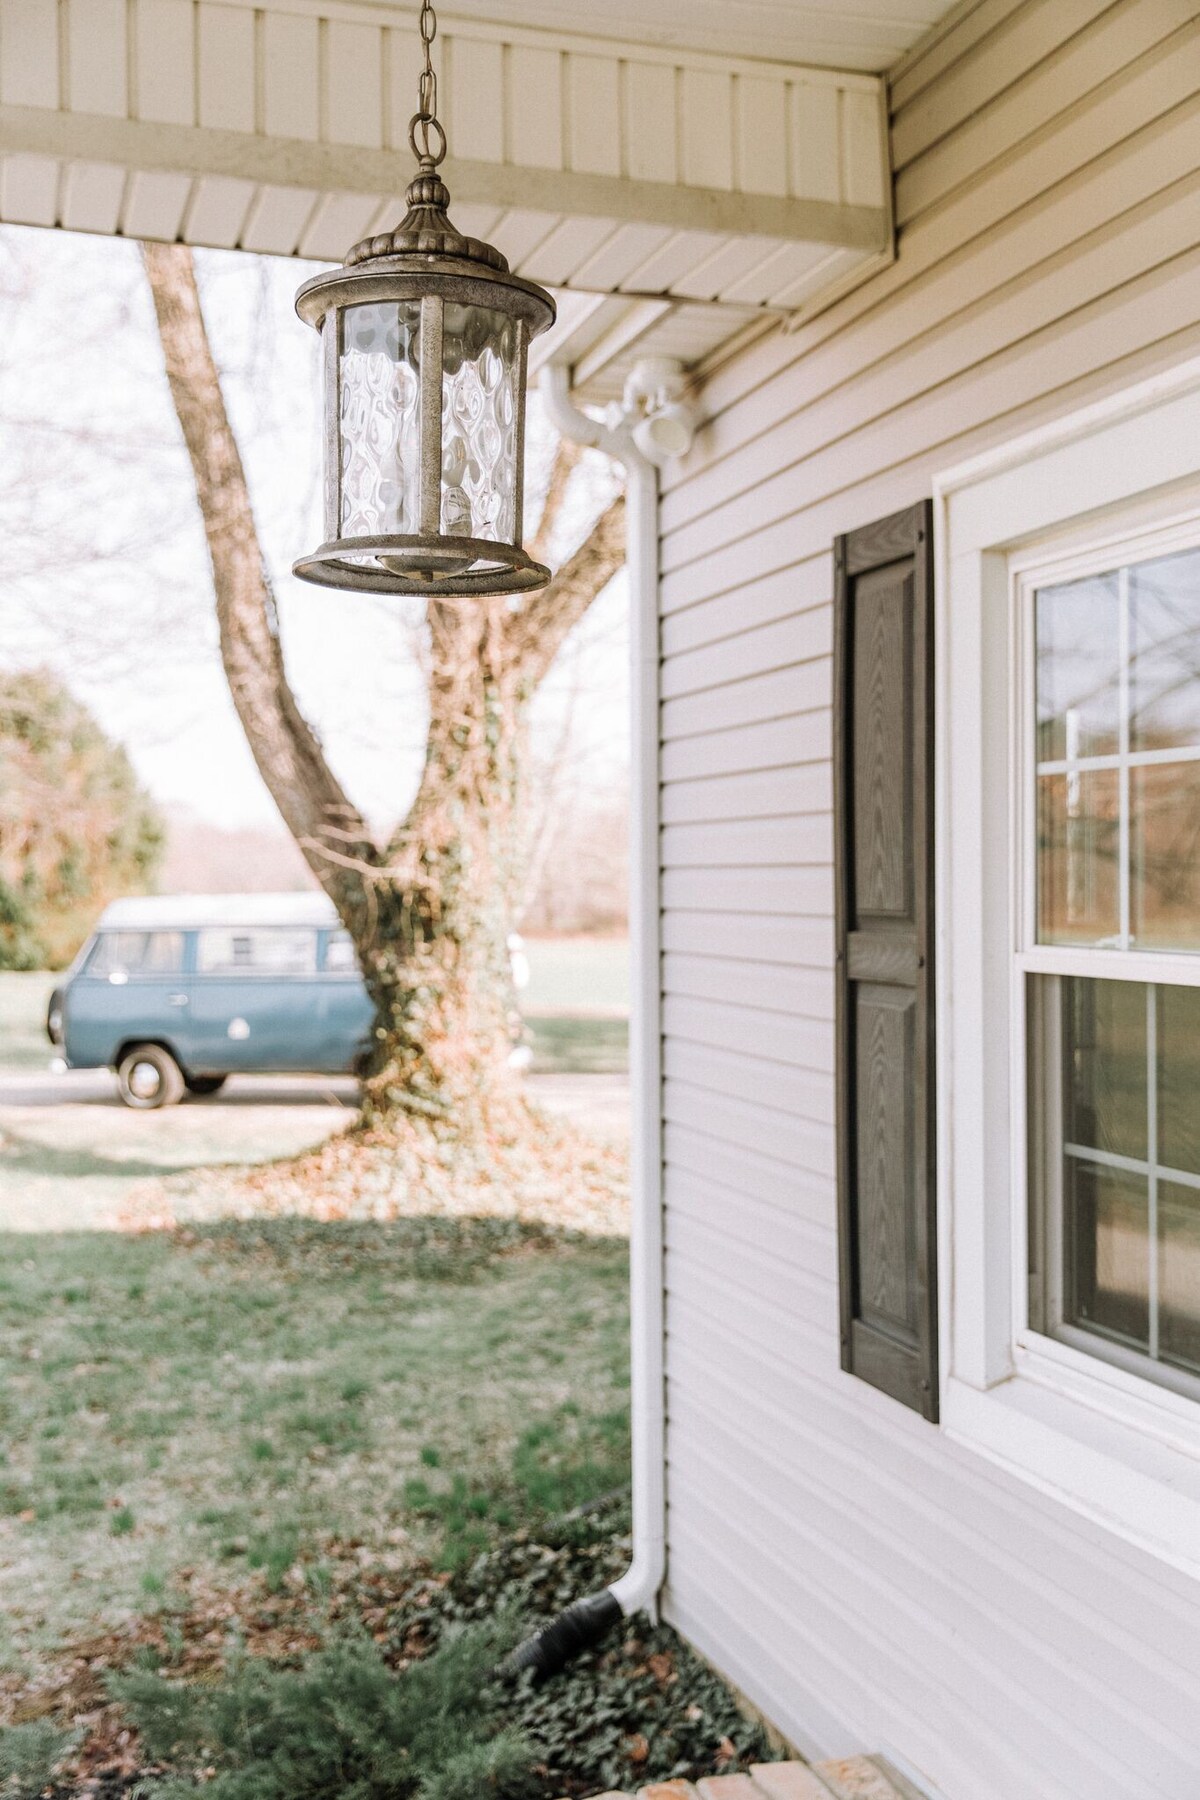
(883, 817)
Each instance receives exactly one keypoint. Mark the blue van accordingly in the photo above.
(177, 993)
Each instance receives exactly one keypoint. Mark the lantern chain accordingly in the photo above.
(425, 133)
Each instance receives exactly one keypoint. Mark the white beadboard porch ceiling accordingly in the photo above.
(677, 169)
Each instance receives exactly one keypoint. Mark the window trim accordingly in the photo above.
(1108, 1443)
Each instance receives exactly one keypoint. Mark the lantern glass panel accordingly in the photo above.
(481, 363)
(379, 413)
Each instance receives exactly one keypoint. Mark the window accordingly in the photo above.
(339, 954)
(1067, 818)
(120, 954)
(1114, 1061)
(262, 950)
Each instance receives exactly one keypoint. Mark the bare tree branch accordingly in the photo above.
(535, 636)
(285, 747)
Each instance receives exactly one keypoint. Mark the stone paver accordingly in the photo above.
(850, 1778)
(728, 1787)
(789, 1781)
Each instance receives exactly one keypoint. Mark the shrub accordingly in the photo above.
(342, 1724)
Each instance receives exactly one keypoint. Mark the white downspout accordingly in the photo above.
(639, 1587)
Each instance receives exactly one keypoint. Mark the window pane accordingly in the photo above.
(1165, 856)
(138, 953)
(1107, 1251)
(1104, 1050)
(1078, 862)
(1179, 1273)
(1165, 652)
(1179, 1078)
(339, 953)
(1077, 627)
(271, 951)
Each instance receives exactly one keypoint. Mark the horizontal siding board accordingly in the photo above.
(803, 943)
(761, 794)
(738, 1075)
(805, 1144)
(767, 696)
(807, 993)
(750, 1174)
(945, 46)
(805, 1042)
(767, 843)
(756, 890)
(766, 744)
(750, 651)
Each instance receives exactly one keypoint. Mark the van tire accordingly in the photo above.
(204, 1085)
(134, 1082)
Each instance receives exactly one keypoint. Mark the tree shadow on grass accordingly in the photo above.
(29, 1156)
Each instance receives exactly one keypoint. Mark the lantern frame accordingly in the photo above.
(425, 261)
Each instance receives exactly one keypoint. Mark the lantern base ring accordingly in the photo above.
(433, 567)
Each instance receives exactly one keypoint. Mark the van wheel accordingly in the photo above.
(149, 1077)
(204, 1085)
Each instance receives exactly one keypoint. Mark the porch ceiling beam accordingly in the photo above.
(285, 162)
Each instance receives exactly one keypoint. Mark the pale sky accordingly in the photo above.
(105, 570)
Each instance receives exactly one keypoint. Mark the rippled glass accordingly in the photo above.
(379, 419)
(481, 351)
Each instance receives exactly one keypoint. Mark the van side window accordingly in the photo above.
(137, 953)
(339, 954)
(261, 950)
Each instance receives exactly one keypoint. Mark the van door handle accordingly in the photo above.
(177, 999)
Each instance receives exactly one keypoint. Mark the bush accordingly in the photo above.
(29, 1755)
(342, 1724)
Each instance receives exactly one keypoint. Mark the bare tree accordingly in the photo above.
(429, 911)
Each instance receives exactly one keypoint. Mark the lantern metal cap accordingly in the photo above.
(426, 230)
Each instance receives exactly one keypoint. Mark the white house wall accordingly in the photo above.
(865, 1580)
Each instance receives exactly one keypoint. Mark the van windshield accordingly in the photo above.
(137, 953)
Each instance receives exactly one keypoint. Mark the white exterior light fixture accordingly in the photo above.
(425, 336)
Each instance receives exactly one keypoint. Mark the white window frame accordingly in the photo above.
(1123, 477)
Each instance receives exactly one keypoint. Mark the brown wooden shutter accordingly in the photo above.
(883, 821)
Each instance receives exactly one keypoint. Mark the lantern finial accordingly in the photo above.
(426, 336)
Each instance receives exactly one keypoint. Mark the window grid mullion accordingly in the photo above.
(1152, 1283)
(1123, 640)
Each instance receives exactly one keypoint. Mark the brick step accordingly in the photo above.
(853, 1778)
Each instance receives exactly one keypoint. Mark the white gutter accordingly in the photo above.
(655, 420)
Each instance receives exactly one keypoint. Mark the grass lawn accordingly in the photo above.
(250, 1406)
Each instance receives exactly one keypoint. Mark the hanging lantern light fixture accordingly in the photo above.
(425, 337)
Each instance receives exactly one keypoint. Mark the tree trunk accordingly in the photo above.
(429, 914)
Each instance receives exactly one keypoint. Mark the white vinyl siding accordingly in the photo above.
(869, 1582)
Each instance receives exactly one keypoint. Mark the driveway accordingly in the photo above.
(69, 1151)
